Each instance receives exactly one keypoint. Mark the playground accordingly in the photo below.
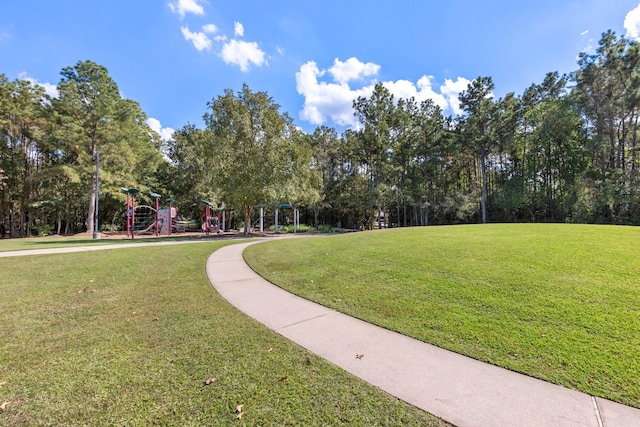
(163, 219)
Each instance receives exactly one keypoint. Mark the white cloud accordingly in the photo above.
(243, 54)
(326, 101)
(182, 7)
(333, 101)
(165, 133)
(50, 89)
(238, 29)
(451, 90)
(632, 23)
(199, 39)
(237, 52)
(210, 29)
(352, 69)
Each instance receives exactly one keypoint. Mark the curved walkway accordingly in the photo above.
(460, 390)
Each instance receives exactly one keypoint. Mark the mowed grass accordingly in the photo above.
(558, 302)
(131, 336)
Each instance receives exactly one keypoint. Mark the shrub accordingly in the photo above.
(110, 227)
(44, 230)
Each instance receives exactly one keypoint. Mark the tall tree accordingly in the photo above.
(608, 90)
(375, 114)
(22, 123)
(428, 154)
(256, 152)
(94, 119)
(479, 110)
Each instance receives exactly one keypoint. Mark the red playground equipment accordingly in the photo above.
(210, 223)
(142, 218)
(131, 203)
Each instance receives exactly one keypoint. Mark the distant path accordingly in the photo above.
(71, 249)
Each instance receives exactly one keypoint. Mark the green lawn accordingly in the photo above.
(559, 302)
(130, 336)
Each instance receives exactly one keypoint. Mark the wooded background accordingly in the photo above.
(565, 150)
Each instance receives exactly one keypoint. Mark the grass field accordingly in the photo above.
(557, 301)
(131, 336)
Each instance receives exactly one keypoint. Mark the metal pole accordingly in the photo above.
(129, 213)
(157, 206)
(206, 218)
(261, 220)
(96, 227)
(170, 218)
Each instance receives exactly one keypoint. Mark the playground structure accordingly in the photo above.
(213, 223)
(143, 218)
(164, 220)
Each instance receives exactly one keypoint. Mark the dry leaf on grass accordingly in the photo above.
(270, 349)
(4, 405)
(209, 381)
(239, 412)
(2, 383)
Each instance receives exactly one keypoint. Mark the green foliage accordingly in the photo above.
(43, 230)
(565, 150)
(256, 153)
(288, 228)
(93, 119)
(110, 227)
(556, 302)
(49, 147)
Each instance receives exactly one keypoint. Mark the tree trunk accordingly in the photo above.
(483, 199)
(247, 219)
(92, 203)
(12, 228)
(404, 211)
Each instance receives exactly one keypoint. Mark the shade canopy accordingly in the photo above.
(130, 191)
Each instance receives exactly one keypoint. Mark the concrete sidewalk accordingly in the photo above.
(71, 249)
(460, 390)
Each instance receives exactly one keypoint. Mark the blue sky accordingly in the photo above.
(313, 58)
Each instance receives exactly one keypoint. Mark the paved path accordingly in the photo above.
(460, 390)
(70, 249)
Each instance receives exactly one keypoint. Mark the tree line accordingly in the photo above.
(50, 146)
(565, 150)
